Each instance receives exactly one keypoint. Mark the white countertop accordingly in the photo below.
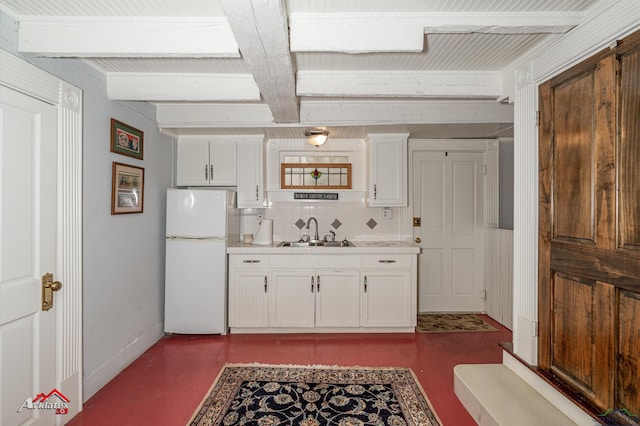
(361, 247)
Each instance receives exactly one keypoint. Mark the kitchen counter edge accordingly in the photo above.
(361, 247)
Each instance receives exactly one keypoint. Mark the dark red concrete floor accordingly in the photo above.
(166, 384)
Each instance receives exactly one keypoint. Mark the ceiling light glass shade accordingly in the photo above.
(316, 137)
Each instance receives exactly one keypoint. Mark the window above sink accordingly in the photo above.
(287, 161)
(315, 176)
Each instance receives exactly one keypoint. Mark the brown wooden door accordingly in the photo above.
(589, 245)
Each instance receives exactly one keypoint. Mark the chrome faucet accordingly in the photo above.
(315, 236)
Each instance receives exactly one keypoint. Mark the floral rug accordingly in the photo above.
(254, 394)
(435, 323)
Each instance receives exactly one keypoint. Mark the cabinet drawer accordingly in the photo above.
(248, 261)
(385, 261)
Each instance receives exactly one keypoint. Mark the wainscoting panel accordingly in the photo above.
(500, 275)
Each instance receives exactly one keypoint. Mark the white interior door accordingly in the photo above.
(28, 349)
(448, 191)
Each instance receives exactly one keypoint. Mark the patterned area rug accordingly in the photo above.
(253, 394)
(437, 323)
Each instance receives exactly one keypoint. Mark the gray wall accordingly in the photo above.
(123, 255)
(505, 210)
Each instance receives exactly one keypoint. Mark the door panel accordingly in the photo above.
(448, 191)
(27, 334)
(627, 390)
(573, 329)
(629, 221)
(573, 154)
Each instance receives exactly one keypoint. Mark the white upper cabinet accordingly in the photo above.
(251, 172)
(387, 173)
(207, 161)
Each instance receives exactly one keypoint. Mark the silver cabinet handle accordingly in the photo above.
(257, 193)
(375, 191)
(211, 173)
(251, 261)
(318, 284)
(386, 261)
(206, 174)
(265, 283)
(365, 283)
(312, 284)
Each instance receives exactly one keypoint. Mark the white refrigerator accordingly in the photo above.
(200, 225)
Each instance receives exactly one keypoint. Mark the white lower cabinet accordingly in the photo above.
(321, 298)
(337, 298)
(386, 298)
(291, 298)
(248, 291)
(388, 291)
(321, 293)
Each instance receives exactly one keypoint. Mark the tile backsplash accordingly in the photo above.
(354, 221)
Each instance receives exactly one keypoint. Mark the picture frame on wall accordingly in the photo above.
(127, 189)
(126, 140)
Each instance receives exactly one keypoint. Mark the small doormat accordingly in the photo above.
(255, 394)
(438, 323)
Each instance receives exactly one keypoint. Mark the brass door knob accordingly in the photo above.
(48, 287)
(418, 240)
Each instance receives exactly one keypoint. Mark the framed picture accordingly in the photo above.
(126, 140)
(127, 189)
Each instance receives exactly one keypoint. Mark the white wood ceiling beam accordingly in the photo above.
(404, 32)
(334, 112)
(107, 37)
(363, 112)
(440, 84)
(182, 87)
(261, 29)
(202, 115)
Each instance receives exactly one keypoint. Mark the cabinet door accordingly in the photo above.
(248, 298)
(250, 173)
(291, 298)
(386, 298)
(388, 169)
(222, 159)
(337, 298)
(193, 161)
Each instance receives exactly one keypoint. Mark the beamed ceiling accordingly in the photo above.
(433, 68)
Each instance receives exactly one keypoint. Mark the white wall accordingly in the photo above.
(123, 255)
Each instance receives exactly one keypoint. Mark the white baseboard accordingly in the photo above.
(95, 380)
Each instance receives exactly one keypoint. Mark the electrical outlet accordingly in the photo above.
(387, 213)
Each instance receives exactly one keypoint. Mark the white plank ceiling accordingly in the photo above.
(431, 68)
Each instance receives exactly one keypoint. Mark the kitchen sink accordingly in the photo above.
(343, 243)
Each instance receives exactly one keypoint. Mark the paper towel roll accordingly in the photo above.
(264, 234)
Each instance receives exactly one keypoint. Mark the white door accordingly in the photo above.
(448, 191)
(28, 222)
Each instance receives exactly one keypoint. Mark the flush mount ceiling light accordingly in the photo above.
(316, 137)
